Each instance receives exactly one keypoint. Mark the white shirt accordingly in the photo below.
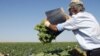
(86, 29)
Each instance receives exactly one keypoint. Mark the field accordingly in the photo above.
(37, 49)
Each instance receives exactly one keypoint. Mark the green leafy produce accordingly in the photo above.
(38, 49)
(45, 34)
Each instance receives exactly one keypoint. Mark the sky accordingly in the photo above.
(19, 17)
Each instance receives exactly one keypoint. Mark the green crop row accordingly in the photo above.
(37, 49)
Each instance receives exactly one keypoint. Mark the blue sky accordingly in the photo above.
(18, 18)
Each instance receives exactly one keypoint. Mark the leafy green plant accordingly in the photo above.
(38, 49)
(45, 34)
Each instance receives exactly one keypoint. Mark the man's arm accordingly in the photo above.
(51, 26)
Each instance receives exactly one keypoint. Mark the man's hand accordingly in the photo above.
(50, 26)
(47, 23)
(67, 17)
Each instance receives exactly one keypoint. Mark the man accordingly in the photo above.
(84, 26)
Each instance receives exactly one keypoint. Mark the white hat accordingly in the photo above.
(77, 1)
(73, 2)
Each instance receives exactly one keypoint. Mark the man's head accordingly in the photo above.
(74, 8)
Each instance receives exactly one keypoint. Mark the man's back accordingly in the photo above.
(88, 30)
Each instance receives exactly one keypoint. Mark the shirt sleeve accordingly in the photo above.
(79, 21)
(68, 25)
